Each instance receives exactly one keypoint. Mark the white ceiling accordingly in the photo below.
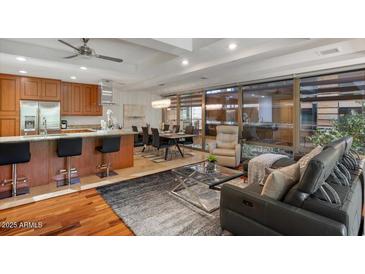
(148, 63)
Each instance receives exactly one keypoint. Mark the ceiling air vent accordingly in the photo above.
(328, 51)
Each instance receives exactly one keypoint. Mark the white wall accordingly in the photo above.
(153, 116)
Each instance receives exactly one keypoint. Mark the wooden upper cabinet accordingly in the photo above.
(9, 105)
(66, 99)
(31, 88)
(51, 90)
(99, 107)
(9, 95)
(40, 89)
(88, 104)
(80, 100)
(77, 99)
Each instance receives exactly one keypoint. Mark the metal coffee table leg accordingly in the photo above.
(194, 198)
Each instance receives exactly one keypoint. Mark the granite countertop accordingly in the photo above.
(64, 134)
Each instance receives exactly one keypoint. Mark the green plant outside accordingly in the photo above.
(348, 125)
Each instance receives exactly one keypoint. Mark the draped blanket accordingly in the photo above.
(257, 165)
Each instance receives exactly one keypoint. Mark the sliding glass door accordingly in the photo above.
(267, 113)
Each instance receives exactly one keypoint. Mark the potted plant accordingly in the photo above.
(212, 159)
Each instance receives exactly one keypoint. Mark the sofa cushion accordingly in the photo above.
(227, 136)
(348, 212)
(303, 162)
(224, 152)
(227, 145)
(339, 144)
(318, 170)
(280, 181)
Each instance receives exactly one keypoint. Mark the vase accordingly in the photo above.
(211, 166)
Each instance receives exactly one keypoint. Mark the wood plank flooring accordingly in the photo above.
(81, 213)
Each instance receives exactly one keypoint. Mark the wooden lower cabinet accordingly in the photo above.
(44, 164)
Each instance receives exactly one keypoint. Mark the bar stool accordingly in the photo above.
(13, 154)
(109, 144)
(68, 148)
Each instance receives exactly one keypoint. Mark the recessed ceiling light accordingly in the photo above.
(232, 46)
(73, 77)
(185, 62)
(83, 68)
(22, 59)
(262, 96)
(23, 71)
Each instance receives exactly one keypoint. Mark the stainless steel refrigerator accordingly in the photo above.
(36, 116)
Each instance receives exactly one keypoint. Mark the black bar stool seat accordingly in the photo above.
(69, 147)
(108, 145)
(12, 154)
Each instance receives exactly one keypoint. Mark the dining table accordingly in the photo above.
(173, 137)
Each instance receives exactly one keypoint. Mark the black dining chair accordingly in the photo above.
(138, 138)
(166, 127)
(175, 128)
(160, 142)
(188, 140)
(146, 140)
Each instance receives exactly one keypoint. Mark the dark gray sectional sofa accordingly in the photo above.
(327, 200)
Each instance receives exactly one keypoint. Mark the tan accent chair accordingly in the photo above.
(226, 148)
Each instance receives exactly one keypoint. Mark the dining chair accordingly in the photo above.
(160, 142)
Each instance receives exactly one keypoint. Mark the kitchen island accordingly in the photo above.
(45, 164)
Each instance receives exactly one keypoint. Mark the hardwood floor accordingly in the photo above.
(78, 210)
(80, 213)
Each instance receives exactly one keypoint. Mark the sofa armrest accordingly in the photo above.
(212, 146)
(276, 215)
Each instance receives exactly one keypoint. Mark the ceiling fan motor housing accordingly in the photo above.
(85, 50)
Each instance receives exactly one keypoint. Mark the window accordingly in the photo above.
(170, 113)
(191, 115)
(267, 113)
(325, 99)
(221, 109)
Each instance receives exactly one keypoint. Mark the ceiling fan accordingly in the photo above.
(84, 50)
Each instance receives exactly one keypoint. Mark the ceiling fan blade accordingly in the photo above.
(67, 44)
(108, 58)
(72, 56)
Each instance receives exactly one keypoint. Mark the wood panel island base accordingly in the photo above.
(45, 164)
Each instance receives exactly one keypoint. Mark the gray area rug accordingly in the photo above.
(147, 208)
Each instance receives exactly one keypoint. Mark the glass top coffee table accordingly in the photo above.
(197, 182)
